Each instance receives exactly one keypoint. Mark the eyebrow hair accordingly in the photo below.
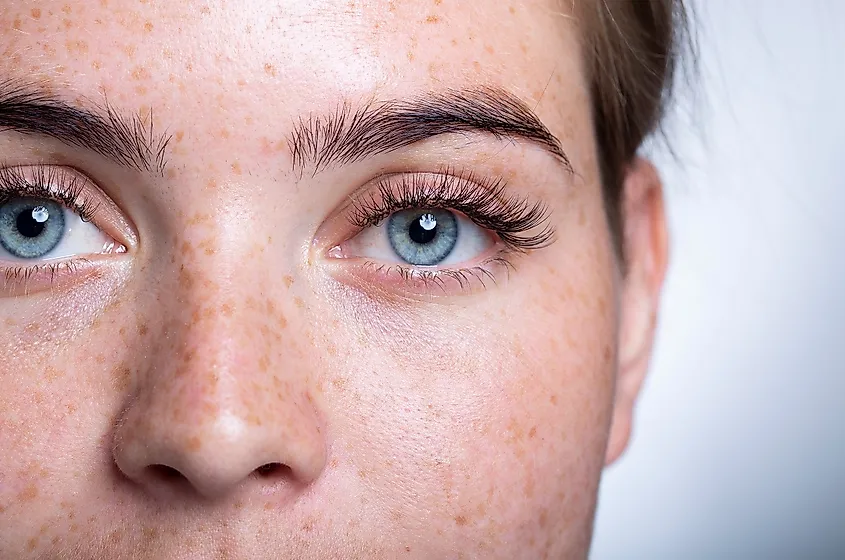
(131, 142)
(347, 136)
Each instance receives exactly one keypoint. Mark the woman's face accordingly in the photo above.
(305, 280)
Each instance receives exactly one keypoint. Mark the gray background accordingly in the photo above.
(739, 442)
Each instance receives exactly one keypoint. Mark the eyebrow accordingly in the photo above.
(347, 136)
(129, 141)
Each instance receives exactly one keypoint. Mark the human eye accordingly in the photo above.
(443, 229)
(51, 227)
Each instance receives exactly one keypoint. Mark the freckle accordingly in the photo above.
(205, 10)
(129, 50)
(10, 322)
(461, 520)
(288, 280)
(186, 280)
(142, 329)
(31, 544)
(141, 90)
(410, 56)
(96, 65)
(194, 443)
(36, 13)
(28, 494)
(140, 73)
(553, 399)
(236, 168)
(269, 70)
(532, 433)
(148, 26)
(224, 133)
(178, 135)
(512, 10)
(432, 19)
(544, 517)
(121, 378)
(189, 67)
(476, 65)
(16, 25)
(80, 47)
(489, 49)
(52, 373)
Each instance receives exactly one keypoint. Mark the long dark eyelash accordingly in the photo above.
(484, 201)
(49, 182)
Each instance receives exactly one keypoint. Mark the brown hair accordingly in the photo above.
(633, 49)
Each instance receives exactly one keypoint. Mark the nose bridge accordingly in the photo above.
(224, 394)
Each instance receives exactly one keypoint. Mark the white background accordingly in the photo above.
(739, 442)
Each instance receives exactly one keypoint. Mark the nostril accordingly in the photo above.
(272, 470)
(165, 473)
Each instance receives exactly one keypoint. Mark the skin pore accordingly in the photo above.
(249, 371)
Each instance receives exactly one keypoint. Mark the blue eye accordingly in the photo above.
(422, 237)
(31, 228)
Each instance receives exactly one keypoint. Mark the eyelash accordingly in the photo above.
(48, 182)
(484, 201)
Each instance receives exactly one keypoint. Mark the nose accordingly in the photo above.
(212, 415)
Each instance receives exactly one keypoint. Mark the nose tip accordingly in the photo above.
(217, 459)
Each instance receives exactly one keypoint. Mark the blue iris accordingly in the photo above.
(31, 227)
(422, 237)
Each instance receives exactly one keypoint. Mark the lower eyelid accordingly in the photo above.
(19, 279)
(388, 281)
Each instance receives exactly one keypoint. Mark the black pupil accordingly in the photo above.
(28, 226)
(418, 231)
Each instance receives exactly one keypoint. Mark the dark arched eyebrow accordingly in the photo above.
(349, 135)
(132, 142)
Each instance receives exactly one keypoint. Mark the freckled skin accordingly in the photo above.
(214, 393)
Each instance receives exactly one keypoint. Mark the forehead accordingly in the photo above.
(291, 57)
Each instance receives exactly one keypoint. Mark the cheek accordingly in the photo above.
(60, 381)
(495, 416)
